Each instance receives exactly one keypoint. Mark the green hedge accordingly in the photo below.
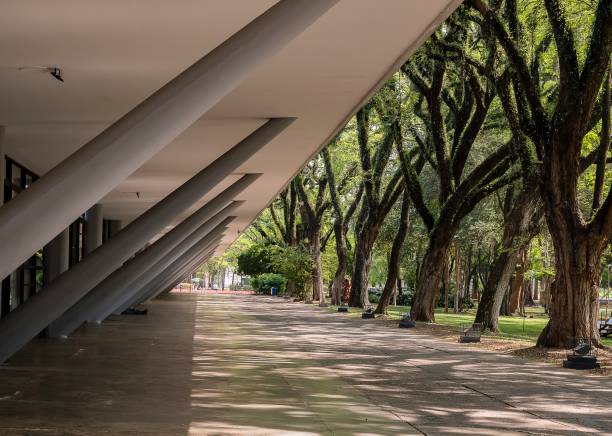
(263, 282)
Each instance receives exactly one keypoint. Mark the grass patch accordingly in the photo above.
(511, 327)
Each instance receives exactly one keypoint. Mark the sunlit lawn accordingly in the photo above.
(511, 327)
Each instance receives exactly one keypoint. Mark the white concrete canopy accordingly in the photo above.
(114, 54)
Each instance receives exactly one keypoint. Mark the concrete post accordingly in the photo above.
(114, 227)
(56, 261)
(141, 287)
(116, 284)
(93, 233)
(115, 287)
(95, 169)
(56, 257)
(38, 312)
(2, 166)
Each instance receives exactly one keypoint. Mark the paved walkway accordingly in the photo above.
(229, 365)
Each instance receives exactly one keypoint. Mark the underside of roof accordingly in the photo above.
(113, 54)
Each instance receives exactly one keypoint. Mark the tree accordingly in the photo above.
(551, 138)
(393, 268)
(295, 264)
(466, 104)
(341, 222)
(287, 200)
(522, 218)
(313, 212)
(377, 200)
(255, 260)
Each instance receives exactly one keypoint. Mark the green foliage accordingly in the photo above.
(295, 264)
(264, 247)
(329, 262)
(264, 282)
(255, 260)
(374, 295)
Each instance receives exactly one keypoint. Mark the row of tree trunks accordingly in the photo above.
(557, 137)
(341, 225)
(377, 198)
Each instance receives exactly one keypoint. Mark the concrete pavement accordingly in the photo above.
(229, 365)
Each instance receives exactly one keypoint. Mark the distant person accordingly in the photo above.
(346, 290)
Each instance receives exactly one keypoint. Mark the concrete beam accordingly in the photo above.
(149, 283)
(176, 270)
(2, 165)
(116, 287)
(22, 324)
(116, 284)
(93, 232)
(90, 173)
(174, 280)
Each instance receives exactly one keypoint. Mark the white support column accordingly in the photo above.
(93, 232)
(153, 289)
(171, 280)
(118, 285)
(112, 288)
(95, 169)
(149, 283)
(17, 328)
(171, 283)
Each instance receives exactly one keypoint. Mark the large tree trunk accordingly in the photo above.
(517, 284)
(341, 253)
(318, 293)
(520, 226)
(578, 247)
(574, 304)
(495, 289)
(394, 258)
(361, 268)
(290, 288)
(457, 292)
(446, 284)
(430, 274)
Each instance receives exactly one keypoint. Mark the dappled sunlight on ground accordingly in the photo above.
(283, 368)
(248, 365)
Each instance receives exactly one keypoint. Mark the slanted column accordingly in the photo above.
(159, 272)
(78, 182)
(171, 283)
(171, 277)
(93, 233)
(18, 327)
(193, 228)
(117, 285)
